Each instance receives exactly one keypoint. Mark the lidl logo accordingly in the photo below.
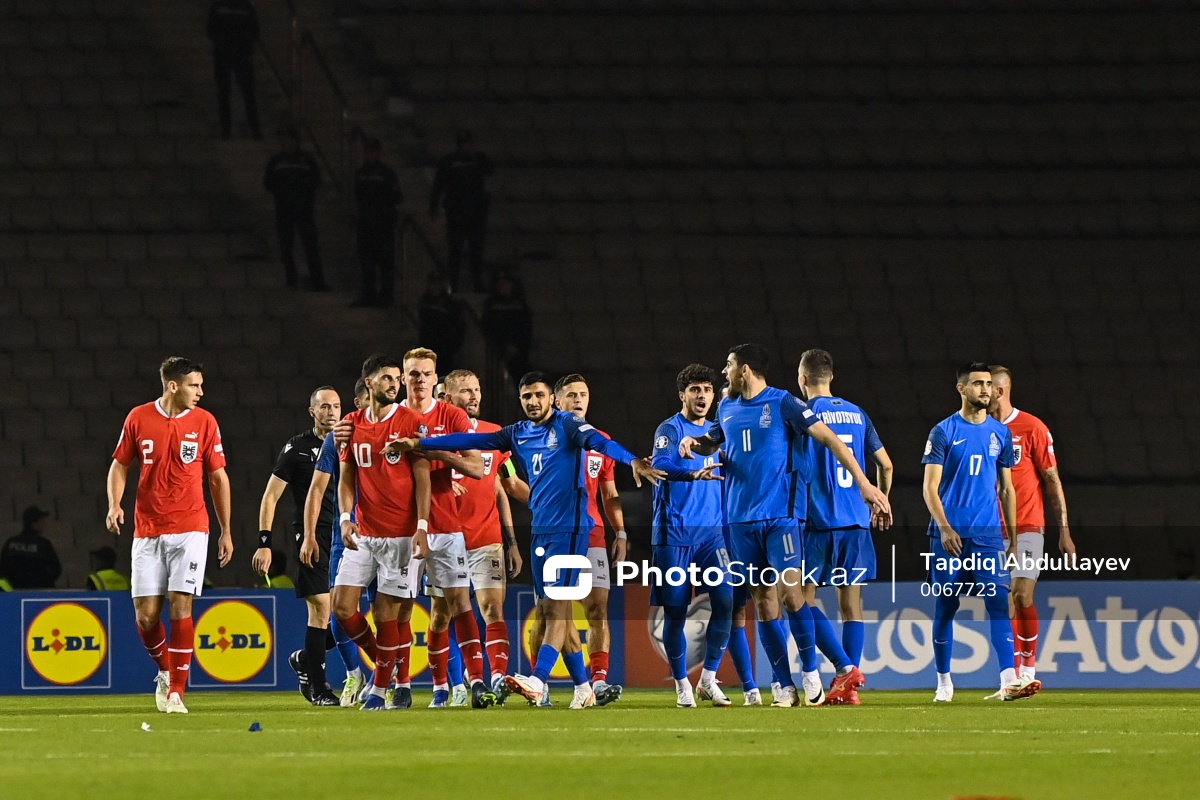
(579, 617)
(66, 643)
(233, 641)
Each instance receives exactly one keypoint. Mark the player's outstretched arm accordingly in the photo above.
(1008, 505)
(468, 462)
(310, 552)
(951, 541)
(261, 563)
(644, 470)
(697, 446)
(516, 488)
(218, 484)
(118, 475)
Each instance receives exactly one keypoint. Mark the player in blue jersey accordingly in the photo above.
(968, 480)
(551, 447)
(688, 530)
(326, 471)
(837, 539)
(757, 425)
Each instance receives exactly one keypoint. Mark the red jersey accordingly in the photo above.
(442, 418)
(175, 453)
(387, 492)
(600, 468)
(1033, 448)
(477, 508)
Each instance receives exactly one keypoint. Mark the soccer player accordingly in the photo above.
(446, 565)
(294, 468)
(176, 444)
(968, 480)
(838, 538)
(550, 446)
(1035, 470)
(758, 424)
(487, 526)
(688, 529)
(326, 474)
(389, 528)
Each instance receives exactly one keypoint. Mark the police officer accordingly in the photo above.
(459, 187)
(293, 177)
(378, 193)
(233, 29)
(28, 560)
(104, 577)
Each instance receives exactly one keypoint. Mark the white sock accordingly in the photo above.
(944, 679)
(708, 677)
(164, 673)
(683, 686)
(407, 685)
(812, 677)
(536, 683)
(600, 684)
(581, 686)
(463, 686)
(441, 687)
(1030, 671)
(1008, 676)
(377, 691)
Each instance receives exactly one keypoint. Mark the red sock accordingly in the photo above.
(497, 647)
(180, 650)
(1027, 636)
(599, 666)
(467, 631)
(1018, 625)
(356, 628)
(155, 641)
(439, 655)
(403, 678)
(387, 645)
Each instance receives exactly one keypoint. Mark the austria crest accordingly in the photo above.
(1017, 450)
(188, 450)
(594, 463)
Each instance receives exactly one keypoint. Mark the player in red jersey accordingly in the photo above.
(446, 565)
(392, 512)
(1035, 473)
(176, 444)
(487, 525)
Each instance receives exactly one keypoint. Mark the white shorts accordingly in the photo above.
(446, 564)
(1029, 546)
(386, 560)
(487, 567)
(600, 568)
(172, 562)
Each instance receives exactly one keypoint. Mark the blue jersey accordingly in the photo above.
(971, 457)
(686, 511)
(760, 459)
(553, 456)
(327, 462)
(834, 501)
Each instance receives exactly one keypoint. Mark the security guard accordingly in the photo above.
(459, 187)
(104, 577)
(233, 29)
(378, 193)
(292, 177)
(28, 560)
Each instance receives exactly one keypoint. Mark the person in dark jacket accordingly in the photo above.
(508, 323)
(442, 321)
(28, 560)
(292, 177)
(459, 187)
(377, 191)
(104, 576)
(233, 29)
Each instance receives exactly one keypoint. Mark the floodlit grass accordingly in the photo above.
(897, 745)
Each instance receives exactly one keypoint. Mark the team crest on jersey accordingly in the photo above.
(661, 443)
(994, 446)
(1017, 450)
(188, 451)
(423, 429)
(552, 440)
(594, 465)
(764, 421)
(391, 457)
(487, 462)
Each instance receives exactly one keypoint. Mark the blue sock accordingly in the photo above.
(774, 642)
(853, 634)
(739, 651)
(673, 640)
(454, 666)
(1001, 627)
(716, 639)
(575, 666)
(546, 659)
(346, 647)
(827, 640)
(944, 609)
(804, 632)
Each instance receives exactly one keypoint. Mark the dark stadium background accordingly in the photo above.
(906, 183)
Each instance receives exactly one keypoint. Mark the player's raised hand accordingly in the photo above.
(310, 554)
(261, 563)
(685, 446)
(512, 556)
(951, 542)
(349, 531)
(342, 432)
(224, 549)
(642, 468)
(114, 520)
(708, 473)
(399, 446)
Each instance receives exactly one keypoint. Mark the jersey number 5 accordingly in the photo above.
(844, 478)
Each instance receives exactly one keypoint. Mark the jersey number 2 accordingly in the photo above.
(147, 450)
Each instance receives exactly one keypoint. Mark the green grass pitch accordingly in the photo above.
(1061, 744)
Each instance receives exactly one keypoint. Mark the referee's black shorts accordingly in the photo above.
(315, 579)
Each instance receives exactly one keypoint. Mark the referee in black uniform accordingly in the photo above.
(294, 467)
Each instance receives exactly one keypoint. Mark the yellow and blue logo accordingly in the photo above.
(66, 644)
(234, 641)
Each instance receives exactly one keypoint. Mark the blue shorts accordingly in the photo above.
(851, 551)
(570, 546)
(776, 543)
(336, 548)
(705, 555)
(991, 569)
